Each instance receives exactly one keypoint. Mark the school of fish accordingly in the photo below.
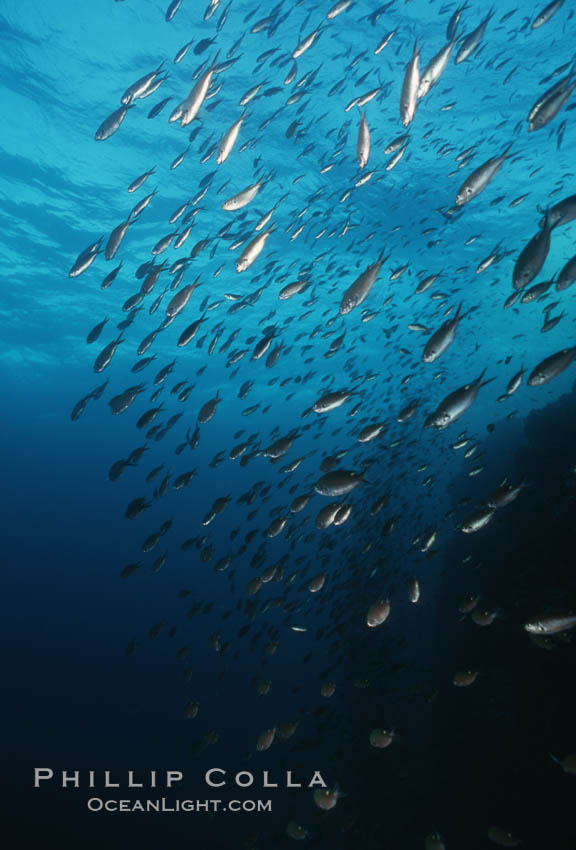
(281, 300)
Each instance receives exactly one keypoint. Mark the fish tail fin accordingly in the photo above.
(489, 381)
(480, 382)
(466, 312)
(546, 225)
(554, 758)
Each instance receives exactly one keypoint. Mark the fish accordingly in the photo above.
(121, 402)
(229, 140)
(253, 250)
(112, 123)
(504, 495)
(547, 107)
(338, 482)
(567, 275)
(338, 8)
(85, 259)
(179, 301)
(550, 624)
(306, 43)
(470, 42)
(477, 520)
(441, 339)
(242, 199)
(172, 9)
(464, 678)
(96, 331)
(546, 14)
(363, 143)
(435, 68)
(551, 367)
(561, 213)
(533, 256)
(208, 410)
(331, 400)
(188, 109)
(105, 357)
(410, 88)
(138, 182)
(358, 291)
(141, 87)
(454, 22)
(116, 238)
(456, 404)
(480, 178)
(378, 613)
(381, 738)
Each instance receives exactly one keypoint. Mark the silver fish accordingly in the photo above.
(455, 404)
(443, 337)
(567, 276)
(533, 255)
(106, 355)
(115, 239)
(332, 400)
(360, 289)
(551, 624)
(120, 403)
(434, 69)
(550, 107)
(551, 367)
(477, 520)
(480, 178)
(338, 482)
(504, 495)
(363, 143)
(471, 41)
(410, 86)
(141, 87)
(544, 16)
(189, 108)
(109, 126)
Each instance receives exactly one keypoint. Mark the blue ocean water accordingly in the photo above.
(80, 694)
